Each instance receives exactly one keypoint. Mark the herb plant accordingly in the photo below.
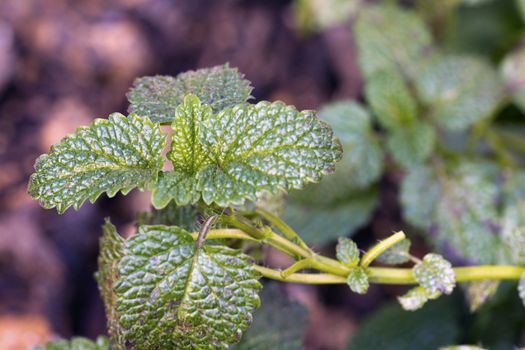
(184, 280)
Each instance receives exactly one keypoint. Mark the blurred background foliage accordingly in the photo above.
(427, 97)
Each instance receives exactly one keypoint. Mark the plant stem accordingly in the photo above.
(338, 272)
(282, 226)
(379, 248)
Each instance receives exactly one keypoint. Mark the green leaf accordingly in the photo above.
(111, 155)
(242, 152)
(388, 37)
(174, 294)
(458, 207)
(357, 280)
(158, 96)
(521, 288)
(513, 219)
(76, 343)
(320, 222)
(185, 217)
(363, 159)
(397, 254)
(413, 144)
(111, 252)
(347, 252)
(278, 324)
(416, 297)
(459, 90)
(435, 274)
(512, 70)
(392, 328)
(390, 99)
(478, 292)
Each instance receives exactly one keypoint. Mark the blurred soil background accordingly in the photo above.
(66, 62)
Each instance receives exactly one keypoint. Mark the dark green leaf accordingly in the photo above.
(220, 87)
(393, 328)
(76, 343)
(174, 294)
(243, 152)
(111, 252)
(278, 324)
(111, 155)
(185, 217)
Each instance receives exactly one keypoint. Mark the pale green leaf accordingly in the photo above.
(158, 96)
(513, 71)
(512, 222)
(397, 254)
(242, 152)
(76, 343)
(357, 280)
(478, 292)
(435, 274)
(319, 222)
(392, 328)
(459, 90)
(521, 288)
(322, 14)
(390, 99)
(413, 144)
(521, 5)
(110, 155)
(390, 38)
(347, 252)
(174, 294)
(111, 252)
(363, 159)
(278, 324)
(416, 297)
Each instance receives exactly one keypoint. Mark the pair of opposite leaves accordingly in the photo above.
(223, 158)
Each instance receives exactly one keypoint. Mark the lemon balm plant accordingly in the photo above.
(183, 281)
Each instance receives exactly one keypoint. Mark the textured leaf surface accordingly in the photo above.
(459, 90)
(157, 97)
(173, 294)
(478, 292)
(389, 98)
(413, 144)
(393, 328)
(388, 37)
(459, 207)
(243, 152)
(111, 252)
(322, 14)
(347, 252)
(111, 155)
(415, 298)
(397, 254)
(278, 324)
(363, 158)
(357, 280)
(435, 274)
(320, 222)
(76, 343)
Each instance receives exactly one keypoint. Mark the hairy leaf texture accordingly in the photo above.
(242, 152)
(279, 324)
(175, 294)
(115, 154)
(111, 252)
(435, 274)
(158, 96)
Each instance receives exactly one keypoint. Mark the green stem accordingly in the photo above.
(379, 248)
(282, 226)
(307, 278)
